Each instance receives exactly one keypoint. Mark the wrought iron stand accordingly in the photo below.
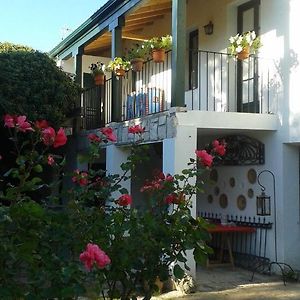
(281, 265)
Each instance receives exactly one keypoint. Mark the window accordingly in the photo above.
(193, 59)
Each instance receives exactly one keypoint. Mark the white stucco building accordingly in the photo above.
(200, 93)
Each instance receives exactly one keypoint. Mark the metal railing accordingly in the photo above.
(220, 83)
(97, 105)
(250, 249)
(148, 91)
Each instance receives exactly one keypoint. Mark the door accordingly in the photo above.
(247, 70)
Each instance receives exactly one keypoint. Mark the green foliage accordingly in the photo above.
(9, 47)
(32, 85)
(164, 42)
(138, 51)
(40, 242)
(118, 63)
(240, 42)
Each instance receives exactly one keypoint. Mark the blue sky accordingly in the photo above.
(39, 23)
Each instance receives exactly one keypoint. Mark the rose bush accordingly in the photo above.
(95, 243)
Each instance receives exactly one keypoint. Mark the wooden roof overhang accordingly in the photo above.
(136, 20)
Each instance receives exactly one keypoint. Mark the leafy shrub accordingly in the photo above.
(40, 242)
(32, 85)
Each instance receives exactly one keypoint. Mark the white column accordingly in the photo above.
(176, 154)
(115, 156)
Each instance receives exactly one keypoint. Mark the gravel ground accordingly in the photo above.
(228, 284)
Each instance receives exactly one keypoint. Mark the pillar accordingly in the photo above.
(116, 50)
(178, 52)
(176, 154)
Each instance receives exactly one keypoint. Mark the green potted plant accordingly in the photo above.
(242, 45)
(119, 66)
(98, 72)
(158, 47)
(136, 56)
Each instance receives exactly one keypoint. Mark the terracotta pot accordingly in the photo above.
(99, 79)
(244, 54)
(137, 64)
(120, 72)
(158, 55)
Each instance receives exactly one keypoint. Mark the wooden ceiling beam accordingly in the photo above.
(152, 9)
(144, 15)
(144, 19)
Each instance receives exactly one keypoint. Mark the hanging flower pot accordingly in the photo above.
(158, 55)
(137, 64)
(120, 72)
(99, 79)
(244, 54)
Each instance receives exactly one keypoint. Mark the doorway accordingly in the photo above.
(247, 70)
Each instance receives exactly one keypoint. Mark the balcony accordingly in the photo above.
(216, 82)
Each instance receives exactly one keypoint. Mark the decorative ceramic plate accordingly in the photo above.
(217, 191)
(232, 181)
(210, 198)
(250, 193)
(213, 175)
(252, 176)
(223, 201)
(241, 202)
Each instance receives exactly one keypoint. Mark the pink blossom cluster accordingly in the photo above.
(108, 135)
(80, 177)
(52, 138)
(124, 200)
(157, 183)
(48, 134)
(175, 198)
(93, 254)
(18, 122)
(136, 129)
(206, 157)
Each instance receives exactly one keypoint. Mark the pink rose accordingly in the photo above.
(205, 159)
(219, 148)
(9, 121)
(124, 200)
(93, 254)
(94, 138)
(41, 124)
(22, 124)
(48, 136)
(60, 138)
(50, 160)
(136, 129)
(109, 134)
(80, 178)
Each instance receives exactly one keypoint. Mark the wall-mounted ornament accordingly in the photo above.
(232, 182)
(252, 176)
(210, 198)
(242, 150)
(217, 191)
(241, 202)
(250, 193)
(213, 176)
(223, 200)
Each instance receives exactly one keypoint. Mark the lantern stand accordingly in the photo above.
(265, 210)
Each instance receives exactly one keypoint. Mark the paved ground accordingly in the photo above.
(227, 284)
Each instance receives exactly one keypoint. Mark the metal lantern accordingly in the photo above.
(209, 28)
(263, 205)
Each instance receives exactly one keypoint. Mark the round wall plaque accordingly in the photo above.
(252, 176)
(241, 202)
(223, 201)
